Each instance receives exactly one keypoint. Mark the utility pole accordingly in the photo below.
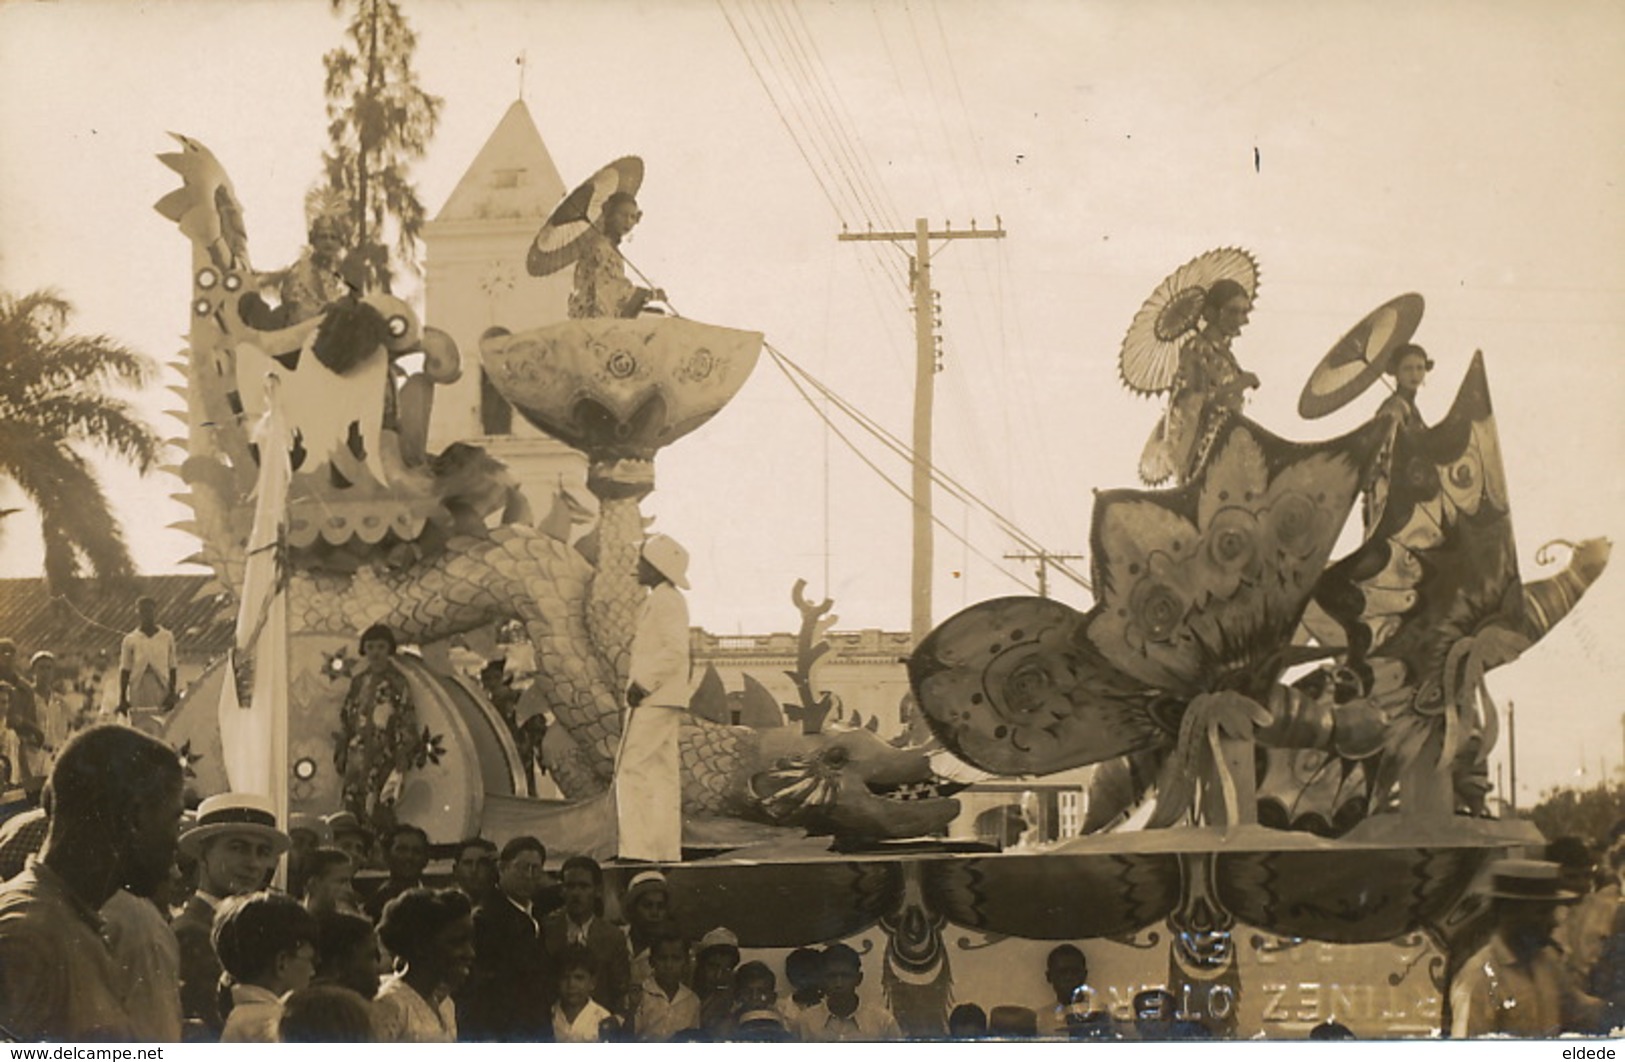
(1043, 557)
(1512, 751)
(926, 366)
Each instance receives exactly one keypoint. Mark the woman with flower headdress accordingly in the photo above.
(314, 282)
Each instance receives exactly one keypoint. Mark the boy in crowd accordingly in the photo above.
(330, 883)
(579, 923)
(267, 943)
(756, 1015)
(967, 1022)
(645, 906)
(804, 969)
(714, 963)
(1073, 1015)
(577, 1017)
(842, 1016)
(667, 1006)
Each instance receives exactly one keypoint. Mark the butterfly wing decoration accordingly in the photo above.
(1440, 559)
(1433, 596)
(1199, 590)
(1014, 686)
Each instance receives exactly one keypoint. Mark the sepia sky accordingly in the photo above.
(1469, 152)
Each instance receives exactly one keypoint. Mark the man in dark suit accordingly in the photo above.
(237, 844)
(580, 922)
(406, 851)
(509, 992)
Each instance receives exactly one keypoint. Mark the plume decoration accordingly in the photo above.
(327, 204)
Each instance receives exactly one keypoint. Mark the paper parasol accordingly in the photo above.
(1150, 355)
(1360, 356)
(559, 242)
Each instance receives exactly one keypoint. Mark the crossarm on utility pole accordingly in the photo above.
(925, 368)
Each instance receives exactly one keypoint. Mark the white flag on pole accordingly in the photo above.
(255, 737)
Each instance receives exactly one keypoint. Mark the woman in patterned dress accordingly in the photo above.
(600, 285)
(378, 740)
(1208, 388)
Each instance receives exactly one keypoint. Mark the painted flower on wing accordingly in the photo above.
(1293, 522)
(1231, 552)
(1156, 605)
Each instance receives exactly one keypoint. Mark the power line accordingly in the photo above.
(777, 109)
(951, 485)
(890, 215)
(836, 184)
(785, 365)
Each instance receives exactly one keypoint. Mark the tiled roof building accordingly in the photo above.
(191, 606)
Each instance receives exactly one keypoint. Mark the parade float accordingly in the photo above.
(1288, 805)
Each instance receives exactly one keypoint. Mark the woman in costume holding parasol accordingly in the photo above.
(1180, 342)
(1379, 345)
(1409, 366)
(587, 229)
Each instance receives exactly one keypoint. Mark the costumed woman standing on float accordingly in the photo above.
(378, 741)
(1209, 387)
(1179, 345)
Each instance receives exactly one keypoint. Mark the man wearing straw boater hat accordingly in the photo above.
(236, 843)
(1516, 984)
(648, 793)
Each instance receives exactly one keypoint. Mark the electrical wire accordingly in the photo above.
(783, 363)
(949, 484)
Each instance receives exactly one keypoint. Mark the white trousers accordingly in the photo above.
(648, 791)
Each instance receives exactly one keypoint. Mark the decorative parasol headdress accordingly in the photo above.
(559, 242)
(1150, 355)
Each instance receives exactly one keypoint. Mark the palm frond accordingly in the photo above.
(106, 423)
(75, 516)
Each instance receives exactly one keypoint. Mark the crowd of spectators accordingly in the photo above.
(124, 916)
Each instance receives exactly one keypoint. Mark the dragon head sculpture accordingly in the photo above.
(849, 783)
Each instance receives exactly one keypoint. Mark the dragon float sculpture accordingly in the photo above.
(432, 545)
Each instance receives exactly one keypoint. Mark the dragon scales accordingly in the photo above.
(377, 538)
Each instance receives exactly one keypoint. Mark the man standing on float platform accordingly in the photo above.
(648, 793)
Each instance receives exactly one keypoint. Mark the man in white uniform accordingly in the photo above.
(146, 670)
(648, 794)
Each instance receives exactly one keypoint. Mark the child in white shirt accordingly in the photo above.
(577, 1019)
(667, 1006)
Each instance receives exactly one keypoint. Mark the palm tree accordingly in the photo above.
(54, 400)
